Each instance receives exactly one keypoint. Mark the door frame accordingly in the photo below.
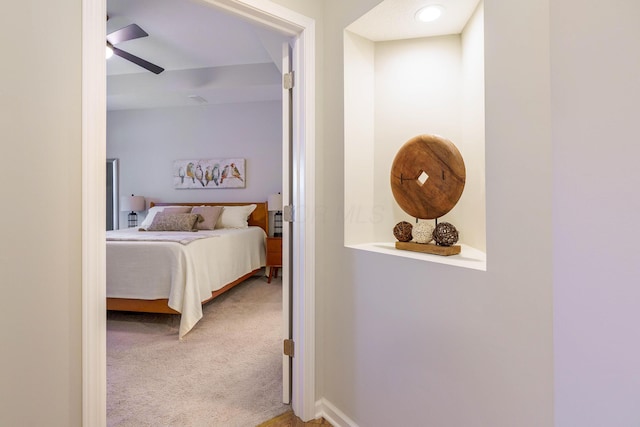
(94, 383)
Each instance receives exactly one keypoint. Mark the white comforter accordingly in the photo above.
(186, 274)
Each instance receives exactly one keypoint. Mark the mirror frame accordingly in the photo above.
(113, 199)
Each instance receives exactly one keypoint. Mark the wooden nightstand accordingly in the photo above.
(274, 256)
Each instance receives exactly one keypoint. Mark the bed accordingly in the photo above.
(156, 271)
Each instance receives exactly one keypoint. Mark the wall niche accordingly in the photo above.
(398, 88)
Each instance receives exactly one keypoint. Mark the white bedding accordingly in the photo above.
(186, 274)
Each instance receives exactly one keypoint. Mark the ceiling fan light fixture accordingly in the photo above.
(109, 52)
(430, 13)
(130, 32)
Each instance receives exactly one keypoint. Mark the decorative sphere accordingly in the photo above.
(402, 231)
(445, 234)
(422, 232)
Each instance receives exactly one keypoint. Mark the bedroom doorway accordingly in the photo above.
(302, 29)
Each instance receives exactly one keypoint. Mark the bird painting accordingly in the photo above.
(199, 174)
(207, 176)
(206, 173)
(215, 174)
(190, 172)
(235, 172)
(225, 173)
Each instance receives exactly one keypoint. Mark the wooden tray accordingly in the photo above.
(429, 248)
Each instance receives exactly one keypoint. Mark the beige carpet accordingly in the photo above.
(226, 372)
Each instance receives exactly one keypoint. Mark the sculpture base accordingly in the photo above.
(429, 248)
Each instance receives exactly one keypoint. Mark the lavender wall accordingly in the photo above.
(148, 141)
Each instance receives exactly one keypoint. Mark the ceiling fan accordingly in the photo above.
(130, 32)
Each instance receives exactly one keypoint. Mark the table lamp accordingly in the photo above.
(274, 203)
(132, 204)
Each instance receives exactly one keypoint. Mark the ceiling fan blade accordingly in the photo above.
(138, 61)
(129, 32)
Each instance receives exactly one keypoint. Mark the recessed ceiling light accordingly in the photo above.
(429, 13)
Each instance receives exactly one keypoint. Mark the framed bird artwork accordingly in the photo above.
(209, 173)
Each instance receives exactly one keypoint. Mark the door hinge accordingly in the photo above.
(287, 80)
(288, 347)
(287, 213)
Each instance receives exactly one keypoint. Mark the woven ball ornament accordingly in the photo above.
(422, 232)
(445, 234)
(402, 231)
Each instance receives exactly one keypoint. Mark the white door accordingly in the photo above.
(287, 143)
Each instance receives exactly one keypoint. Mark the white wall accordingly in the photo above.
(417, 92)
(40, 248)
(596, 199)
(405, 344)
(395, 90)
(411, 343)
(361, 212)
(471, 209)
(148, 141)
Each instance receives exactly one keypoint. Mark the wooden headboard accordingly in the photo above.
(259, 217)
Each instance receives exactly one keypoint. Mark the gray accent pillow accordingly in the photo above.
(209, 216)
(156, 209)
(174, 222)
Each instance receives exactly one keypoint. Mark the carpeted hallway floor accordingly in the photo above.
(226, 372)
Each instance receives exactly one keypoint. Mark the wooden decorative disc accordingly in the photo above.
(427, 176)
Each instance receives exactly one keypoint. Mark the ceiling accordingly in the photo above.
(395, 19)
(211, 56)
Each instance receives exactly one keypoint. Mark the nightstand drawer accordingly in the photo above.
(274, 251)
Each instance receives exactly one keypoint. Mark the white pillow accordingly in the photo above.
(148, 220)
(235, 216)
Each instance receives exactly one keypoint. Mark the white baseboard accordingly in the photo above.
(335, 416)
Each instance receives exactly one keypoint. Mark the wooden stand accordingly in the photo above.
(274, 256)
(429, 248)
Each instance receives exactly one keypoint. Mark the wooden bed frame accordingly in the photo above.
(259, 217)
